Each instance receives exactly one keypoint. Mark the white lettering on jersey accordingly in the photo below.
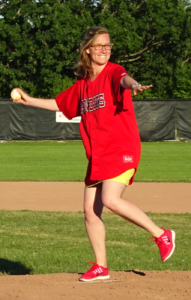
(91, 104)
(127, 159)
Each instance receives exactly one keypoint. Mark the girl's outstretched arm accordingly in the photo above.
(49, 104)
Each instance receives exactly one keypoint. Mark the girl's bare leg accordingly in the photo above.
(109, 193)
(112, 198)
(94, 225)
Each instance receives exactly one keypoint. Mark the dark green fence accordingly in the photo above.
(158, 119)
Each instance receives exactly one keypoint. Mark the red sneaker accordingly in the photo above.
(165, 243)
(96, 272)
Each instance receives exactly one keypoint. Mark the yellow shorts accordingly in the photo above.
(123, 178)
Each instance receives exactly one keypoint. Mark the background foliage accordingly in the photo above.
(40, 41)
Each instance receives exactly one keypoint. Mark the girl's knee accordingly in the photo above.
(88, 211)
(90, 214)
(110, 203)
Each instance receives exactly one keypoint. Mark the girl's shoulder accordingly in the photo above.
(114, 69)
(81, 80)
(114, 66)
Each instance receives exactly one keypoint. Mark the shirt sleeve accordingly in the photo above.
(117, 74)
(120, 93)
(69, 102)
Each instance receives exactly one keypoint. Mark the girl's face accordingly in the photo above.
(100, 57)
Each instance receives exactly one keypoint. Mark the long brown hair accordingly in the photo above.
(83, 65)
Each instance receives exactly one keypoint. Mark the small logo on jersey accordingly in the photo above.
(124, 74)
(127, 159)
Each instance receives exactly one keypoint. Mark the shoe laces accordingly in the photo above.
(95, 268)
(92, 264)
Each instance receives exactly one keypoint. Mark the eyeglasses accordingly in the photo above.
(100, 47)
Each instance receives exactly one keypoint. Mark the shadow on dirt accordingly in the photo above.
(8, 267)
(137, 272)
(141, 273)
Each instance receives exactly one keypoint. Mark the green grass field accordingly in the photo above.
(56, 161)
(50, 242)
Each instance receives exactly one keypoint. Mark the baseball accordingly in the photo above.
(15, 95)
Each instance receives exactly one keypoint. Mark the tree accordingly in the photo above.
(39, 44)
(152, 41)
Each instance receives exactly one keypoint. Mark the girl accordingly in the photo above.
(102, 97)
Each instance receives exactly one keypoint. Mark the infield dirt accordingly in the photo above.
(136, 284)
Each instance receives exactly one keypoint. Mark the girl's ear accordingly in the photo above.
(88, 51)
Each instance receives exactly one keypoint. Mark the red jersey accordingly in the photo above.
(108, 126)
